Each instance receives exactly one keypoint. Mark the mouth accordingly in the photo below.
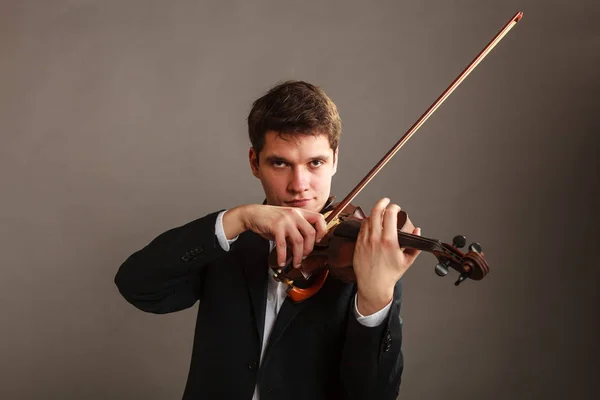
(298, 203)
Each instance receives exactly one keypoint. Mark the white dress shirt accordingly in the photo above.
(276, 293)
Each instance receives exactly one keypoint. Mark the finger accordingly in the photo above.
(317, 220)
(321, 227)
(377, 216)
(281, 247)
(297, 243)
(308, 235)
(390, 223)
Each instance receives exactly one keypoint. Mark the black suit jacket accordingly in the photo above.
(317, 348)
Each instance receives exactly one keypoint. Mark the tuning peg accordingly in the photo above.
(476, 248)
(459, 241)
(461, 278)
(441, 269)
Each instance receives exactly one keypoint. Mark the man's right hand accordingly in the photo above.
(286, 226)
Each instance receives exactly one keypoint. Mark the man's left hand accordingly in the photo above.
(378, 261)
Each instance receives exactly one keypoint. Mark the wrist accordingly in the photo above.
(235, 222)
(369, 303)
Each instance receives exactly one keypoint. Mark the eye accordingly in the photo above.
(316, 163)
(278, 163)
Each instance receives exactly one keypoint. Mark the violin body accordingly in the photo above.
(335, 252)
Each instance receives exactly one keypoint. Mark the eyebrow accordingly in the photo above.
(275, 157)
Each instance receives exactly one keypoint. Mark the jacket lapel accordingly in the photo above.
(286, 314)
(253, 254)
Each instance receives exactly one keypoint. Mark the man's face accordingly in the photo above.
(295, 170)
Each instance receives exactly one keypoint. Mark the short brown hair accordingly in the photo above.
(294, 107)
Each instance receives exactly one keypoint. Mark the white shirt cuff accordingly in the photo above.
(373, 319)
(220, 232)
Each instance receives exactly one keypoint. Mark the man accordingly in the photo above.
(250, 341)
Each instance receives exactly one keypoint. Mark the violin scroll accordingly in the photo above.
(470, 265)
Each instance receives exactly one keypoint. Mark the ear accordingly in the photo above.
(335, 160)
(253, 158)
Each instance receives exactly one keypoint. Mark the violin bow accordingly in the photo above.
(332, 217)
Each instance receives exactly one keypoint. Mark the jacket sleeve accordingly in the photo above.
(167, 274)
(372, 360)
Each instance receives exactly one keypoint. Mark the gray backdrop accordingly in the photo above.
(122, 119)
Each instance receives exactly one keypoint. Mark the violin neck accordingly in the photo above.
(350, 229)
(408, 240)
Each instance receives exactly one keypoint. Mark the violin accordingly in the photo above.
(335, 252)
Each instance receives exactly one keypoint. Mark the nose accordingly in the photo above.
(299, 181)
